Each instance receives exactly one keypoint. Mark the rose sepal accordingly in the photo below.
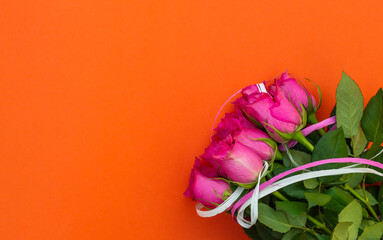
(303, 114)
(251, 119)
(284, 136)
(244, 185)
(276, 154)
(319, 93)
(299, 137)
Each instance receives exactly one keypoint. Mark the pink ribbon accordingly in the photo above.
(311, 129)
(309, 165)
(319, 125)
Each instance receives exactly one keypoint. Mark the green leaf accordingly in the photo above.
(354, 179)
(359, 142)
(291, 207)
(378, 157)
(341, 231)
(372, 116)
(299, 157)
(366, 223)
(251, 233)
(299, 221)
(305, 236)
(317, 199)
(265, 233)
(323, 237)
(372, 178)
(375, 154)
(371, 198)
(365, 214)
(380, 199)
(261, 232)
(372, 232)
(349, 106)
(352, 213)
(372, 121)
(330, 217)
(295, 190)
(339, 199)
(276, 235)
(311, 183)
(295, 212)
(276, 220)
(291, 234)
(374, 147)
(314, 137)
(331, 145)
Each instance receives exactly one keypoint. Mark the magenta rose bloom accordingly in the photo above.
(272, 112)
(236, 128)
(206, 190)
(238, 162)
(296, 93)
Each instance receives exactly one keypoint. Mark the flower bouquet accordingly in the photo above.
(281, 174)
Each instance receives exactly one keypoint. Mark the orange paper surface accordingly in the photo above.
(104, 104)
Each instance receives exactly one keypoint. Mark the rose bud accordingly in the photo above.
(208, 191)
(292, 90)
(279, 117)
(240, 163)
(235, 127)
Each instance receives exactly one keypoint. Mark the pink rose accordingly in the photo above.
(235, 152)
(237, 161)
(206, 190)
(235, 128)
(272, 112)
(292, 90)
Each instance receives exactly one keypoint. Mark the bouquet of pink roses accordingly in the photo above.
(281, 174)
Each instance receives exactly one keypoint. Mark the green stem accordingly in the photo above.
(364, 187)
(313, 119)
(319, 224)
(280, 196)
(306, 229)
(298, 136)
(310, 218)
(360, 198)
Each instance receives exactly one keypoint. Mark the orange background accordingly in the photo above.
(104, 104)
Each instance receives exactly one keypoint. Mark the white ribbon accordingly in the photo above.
(253, 201)
(381, 151)
(262, 87)
(222, 207)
